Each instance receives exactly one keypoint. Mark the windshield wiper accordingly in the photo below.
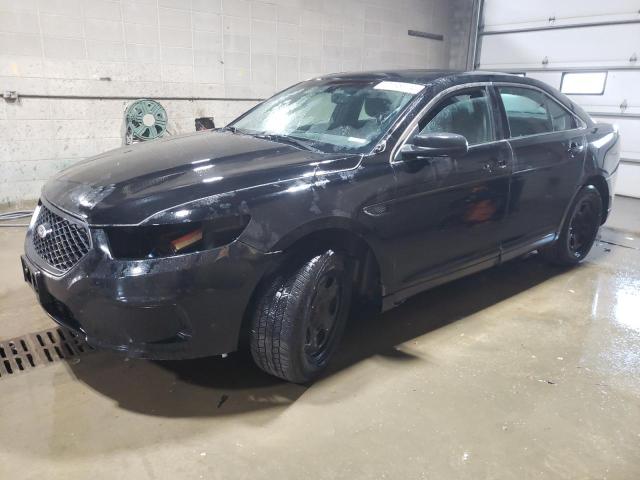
(298, 142)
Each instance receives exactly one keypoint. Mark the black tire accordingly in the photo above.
(292, 312)
(579, 229)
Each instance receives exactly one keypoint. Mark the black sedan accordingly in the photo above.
(363, 187)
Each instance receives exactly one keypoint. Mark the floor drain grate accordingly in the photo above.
(25, 353)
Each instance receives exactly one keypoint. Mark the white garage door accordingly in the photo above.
(590, 49)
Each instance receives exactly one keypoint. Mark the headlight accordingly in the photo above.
(156, 241)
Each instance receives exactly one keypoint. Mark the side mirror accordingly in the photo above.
(432, 145)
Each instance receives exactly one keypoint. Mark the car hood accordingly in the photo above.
(128, 185)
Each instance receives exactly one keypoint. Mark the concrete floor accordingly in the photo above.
(523, 371)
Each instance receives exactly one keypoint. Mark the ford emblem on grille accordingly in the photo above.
(43, 230)
(61, 243)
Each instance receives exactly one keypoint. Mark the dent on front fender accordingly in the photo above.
(327, 201)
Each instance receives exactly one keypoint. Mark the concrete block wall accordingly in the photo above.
(39, 137)
(191, 55)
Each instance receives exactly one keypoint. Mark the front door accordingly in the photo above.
(447, 212)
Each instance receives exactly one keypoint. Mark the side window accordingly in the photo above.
(467, 113)
(530, 112)
(526, 111)
(560, 118)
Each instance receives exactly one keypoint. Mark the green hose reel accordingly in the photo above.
(145, 120)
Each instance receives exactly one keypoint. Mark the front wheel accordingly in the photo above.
(579, 230)
(300, 317)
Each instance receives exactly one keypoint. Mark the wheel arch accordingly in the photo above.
(318, 237)
(338, 233)
(599, 182)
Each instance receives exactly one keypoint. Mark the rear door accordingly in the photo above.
(447, 211)
(548, 146)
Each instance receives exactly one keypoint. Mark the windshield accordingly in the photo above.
(330, 115)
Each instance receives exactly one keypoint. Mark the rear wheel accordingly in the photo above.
(579, 230)
(300, 317)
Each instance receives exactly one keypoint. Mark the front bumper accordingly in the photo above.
(184, 306)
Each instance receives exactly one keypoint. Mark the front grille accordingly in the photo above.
(64, 243)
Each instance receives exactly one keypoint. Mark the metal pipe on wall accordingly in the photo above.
(126, 97)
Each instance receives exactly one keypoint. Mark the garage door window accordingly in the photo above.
(583, 83)
(530, 112)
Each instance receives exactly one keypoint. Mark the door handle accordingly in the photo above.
(495, 164)
(575, 148)
(501, 163)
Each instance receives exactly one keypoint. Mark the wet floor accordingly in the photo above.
(523, 371)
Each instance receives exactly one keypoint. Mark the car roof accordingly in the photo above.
(426, 76)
